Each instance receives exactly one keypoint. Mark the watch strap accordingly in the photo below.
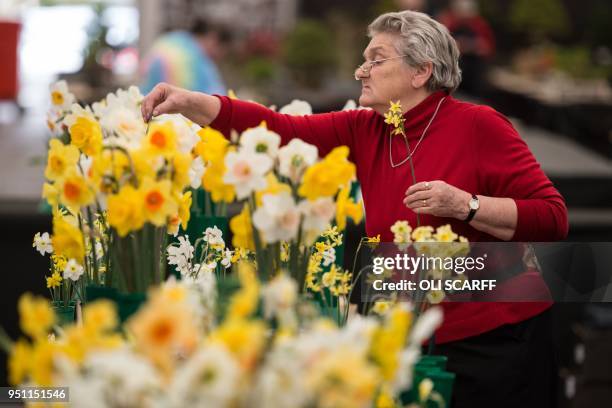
(472, 211)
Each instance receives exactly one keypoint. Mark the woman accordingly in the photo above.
(473, 171)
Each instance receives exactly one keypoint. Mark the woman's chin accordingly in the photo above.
(365, 100)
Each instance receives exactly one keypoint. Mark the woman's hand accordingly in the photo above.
(438, 198)
(195, 106)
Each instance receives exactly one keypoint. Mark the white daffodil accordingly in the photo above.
(279, 296)
(42, 243)
(278, 218)
(125, 127)
(426, 325)
(209, 378)
(246, 171)
(214, 236)
(297, 108)
(186, 134)
(124, 378)
(260, 140)
(61, 98)
(295, 157)
(317, 214)
(77, 111)
(181, 255)
(329, 256)
(227, 258)
(73, 270)
(207, 267)
(196, 171)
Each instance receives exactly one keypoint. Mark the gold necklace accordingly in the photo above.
(406, 139)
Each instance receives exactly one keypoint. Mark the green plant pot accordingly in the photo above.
(65, 314)
(95, 292)
(128, 304)
(431, 368)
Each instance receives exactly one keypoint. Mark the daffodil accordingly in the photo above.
(19, 362)
(184, 207)
(445, 234)
(42, 243)
(242, 230)
(36, 316)
(158, 203)
(60, 159)
(54, 281)
(67, 239)
(74, 190)
(295, 158)
(260, 140)
(278, 218)
(246, 171)
(125, 212)
(85, 131)
(61, 98)
(347, 208)
(325, 177)
(161, 139)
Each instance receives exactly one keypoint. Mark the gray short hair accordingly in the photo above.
(423, 40)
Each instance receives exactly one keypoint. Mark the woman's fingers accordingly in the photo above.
(417, 198)
(154, 98)
(422, 186)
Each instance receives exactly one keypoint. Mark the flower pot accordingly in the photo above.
(128, 304)
(65, 314)
(94, 292)
(431, 367)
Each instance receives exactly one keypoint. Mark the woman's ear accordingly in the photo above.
(422, 75)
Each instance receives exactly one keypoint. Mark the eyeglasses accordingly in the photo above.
(367, 66)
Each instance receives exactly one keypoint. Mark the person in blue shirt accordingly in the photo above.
(187, 59)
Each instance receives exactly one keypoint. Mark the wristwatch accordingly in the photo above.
(474, 205)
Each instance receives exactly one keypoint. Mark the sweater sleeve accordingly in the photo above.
(326, 130)
(507, 168)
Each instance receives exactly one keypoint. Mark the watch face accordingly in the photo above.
(474, 204)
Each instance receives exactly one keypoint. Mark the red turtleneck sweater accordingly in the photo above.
(469, 146)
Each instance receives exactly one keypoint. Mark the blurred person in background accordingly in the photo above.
(475, 39)
(187, 59)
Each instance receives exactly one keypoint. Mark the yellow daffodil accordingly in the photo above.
(181, 162)
(36, 316)
(86, 134)
(184, 208)
(325, 177)
(67, 239)
(42, 362)
(212, 146)
(54, 280)
(125, 212)
(423, 233)
(445, 234)
(245, 339)
(346, 207)
(51, 194)
(161, 139)
(19, 362)
(243, 230)
(158, 203)
(212, 181)
(74, 190)
(60, 159)
(100, 316)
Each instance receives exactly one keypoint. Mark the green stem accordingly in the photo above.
(413, 183)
